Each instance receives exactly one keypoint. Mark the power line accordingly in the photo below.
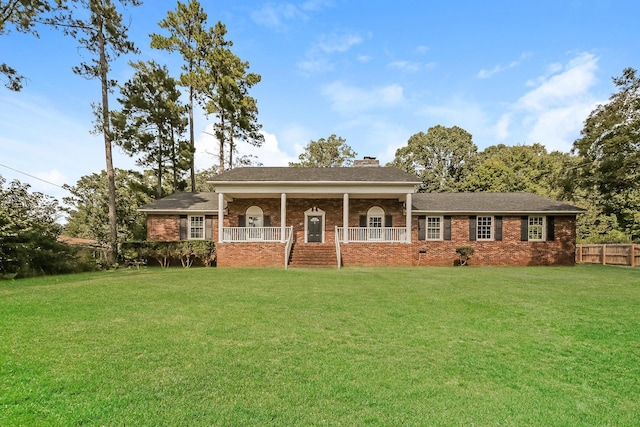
(34, 177)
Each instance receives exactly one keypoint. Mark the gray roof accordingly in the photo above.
(184, 202)
(489, 203)
(292, 174)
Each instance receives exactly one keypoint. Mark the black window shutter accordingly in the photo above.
(472, 227)
(422, 227)
(184, 229)
(267, 221)
(363, 220)
(388, 221)
(497, 235)
(524, 228)
(242, 221)
(208, 227)
(446, 231)
(551, 232)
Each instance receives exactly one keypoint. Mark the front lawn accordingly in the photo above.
(413, 346)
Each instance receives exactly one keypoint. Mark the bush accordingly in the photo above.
(187, 252)
(464, 253)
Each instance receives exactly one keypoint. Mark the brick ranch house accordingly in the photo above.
(364, 215)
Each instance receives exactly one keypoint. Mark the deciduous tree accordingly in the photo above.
(326, 153)
(28, 232)
(609, 152)
(442, 157)
(87, 206)
(528, 168)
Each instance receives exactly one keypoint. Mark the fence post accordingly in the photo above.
(604, 254)
(633, 255)
(579, 254)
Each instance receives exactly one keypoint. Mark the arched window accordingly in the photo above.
(255, 217)
(375, 222)
(375, 217)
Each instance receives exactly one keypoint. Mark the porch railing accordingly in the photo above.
(338, 254)
(255, 234)
(373, 234)
(287, 248)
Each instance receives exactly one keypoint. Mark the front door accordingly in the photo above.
(314, 229)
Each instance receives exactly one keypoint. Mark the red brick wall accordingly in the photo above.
(376, 254)
(163, 228)
(250, 254)
(509, 251)
(166, 228)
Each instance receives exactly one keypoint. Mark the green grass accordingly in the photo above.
(414, 346)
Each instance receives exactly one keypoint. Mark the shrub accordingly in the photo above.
(464, 253)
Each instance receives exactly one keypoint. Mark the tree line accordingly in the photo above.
(152, 122)
(154, 125)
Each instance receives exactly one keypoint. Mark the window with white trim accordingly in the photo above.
(484, 228)
(255, 217)
(375, 221)
(536, 228)
(375, 217)
(433, 225)
(196, 227)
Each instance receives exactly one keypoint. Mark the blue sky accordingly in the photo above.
(374, 73)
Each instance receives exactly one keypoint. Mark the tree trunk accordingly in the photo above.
(160, 171)
(106, 132)
(192, 140)
(221, 141)
(174, 160)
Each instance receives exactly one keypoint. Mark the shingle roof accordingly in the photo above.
(489, 203)
(291, 174)
(197, 202)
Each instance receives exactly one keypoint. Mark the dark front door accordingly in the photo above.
(314, 229)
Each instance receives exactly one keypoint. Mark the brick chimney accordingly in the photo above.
(367, 162)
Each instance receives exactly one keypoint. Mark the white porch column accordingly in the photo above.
(283, 217)
(220, 217)
(345, 217)
(408, 218)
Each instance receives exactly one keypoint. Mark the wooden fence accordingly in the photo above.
(618, 254)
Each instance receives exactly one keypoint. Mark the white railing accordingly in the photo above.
(373, 234)
(287, 248)
(255, 234)
(338, 254)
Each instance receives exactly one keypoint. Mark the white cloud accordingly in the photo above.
(315, 65)
(276, 16)
(317, 57)
(565, 87)
(502, 127)
(352, 100)
(553, 111)
(405, 66)
(485, 74)
(269, 153)
(331, 43)
(557, 128)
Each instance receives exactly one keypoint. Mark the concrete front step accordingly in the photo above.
(313, 255)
